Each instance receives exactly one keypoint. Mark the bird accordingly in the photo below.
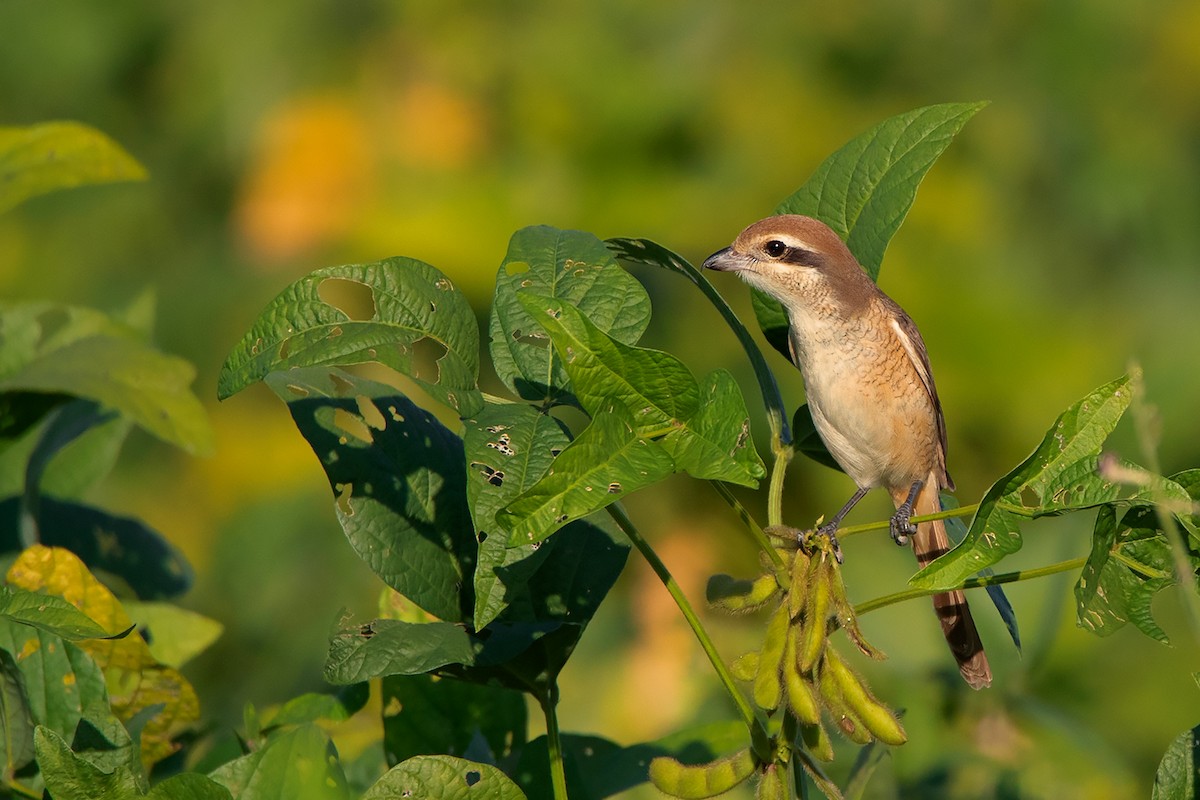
(869, 387)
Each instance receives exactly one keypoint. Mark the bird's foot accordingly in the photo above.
(829, 531)
(901, 526)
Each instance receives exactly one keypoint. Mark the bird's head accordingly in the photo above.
(789, 256)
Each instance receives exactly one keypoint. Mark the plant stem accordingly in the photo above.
(558, 775)
(962, 511)
(971, 583)
(660, 569)
(756, 531)
(783, 457)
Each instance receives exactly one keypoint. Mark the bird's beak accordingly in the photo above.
(723, 261)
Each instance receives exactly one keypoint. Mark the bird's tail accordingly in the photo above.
(958, 627)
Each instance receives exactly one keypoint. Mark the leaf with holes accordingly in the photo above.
(509, 448)
(1060, 475)
(59, 155)
(444, 778)
(400, 481)
(415, 306)
(572, 266)
(392, 647)
(715, 442)
(606, 462)
(865, 190)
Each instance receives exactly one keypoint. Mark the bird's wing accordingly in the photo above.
(914, 346)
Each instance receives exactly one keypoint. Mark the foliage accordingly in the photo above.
(500, 524)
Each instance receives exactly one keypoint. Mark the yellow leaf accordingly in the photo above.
(135, 679)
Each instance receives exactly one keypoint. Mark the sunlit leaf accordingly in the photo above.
(444, 778)
(708, 436)
(69, 777)
(392, 647)
(606, 462)
(1061, 475)
(175, 635)
(136, 680)
(571, 266)
(414, 307)
(296, 764)
(1178, 776)
(399, 478)
(48, 613)
(423, 715)
(80, 352)
(317, 706)
(59, 155)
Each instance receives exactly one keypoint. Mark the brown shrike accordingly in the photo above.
(869, 387)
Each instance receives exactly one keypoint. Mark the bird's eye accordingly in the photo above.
(775, 248)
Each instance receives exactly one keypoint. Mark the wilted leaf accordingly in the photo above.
(423, 715)
(571, 266)
(414, 307)
(399, 477)
(59, 155)
(392, 647)
(1061, 475)
(606, 462)
(443, 778)
(136, 680)
(77, 351)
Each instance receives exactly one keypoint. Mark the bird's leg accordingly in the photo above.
(829, 529)
(900, 525)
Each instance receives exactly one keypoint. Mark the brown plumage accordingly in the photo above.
(870, 389)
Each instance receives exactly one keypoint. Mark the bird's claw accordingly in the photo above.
(829, 531)
(901, 528)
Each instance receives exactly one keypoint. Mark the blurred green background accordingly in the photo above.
(1056, 241)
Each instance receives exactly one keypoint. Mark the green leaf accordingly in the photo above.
(708, 436)
(77, 468)
(399, 477)
(59, 155)
(175, 635)
(81, 352)
(571, 266)
(415, 308)
(46, 612)
(1061, 475)
(606, 462)
(509, 448)
(317, 706)
(126, 547)
(423, 715)
(1131, 561)
(392, 647)
(1178, 776)
(865, 190)
(295, 764)
(443, 778)
(715, 443)
(189, 786)
(69, 777)
(16, 721)
(808, 441)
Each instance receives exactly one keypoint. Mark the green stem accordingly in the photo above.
(971, 583)
(756, 531)
(558, 775)
(660, 569)
(963, 511)
(783, 457)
